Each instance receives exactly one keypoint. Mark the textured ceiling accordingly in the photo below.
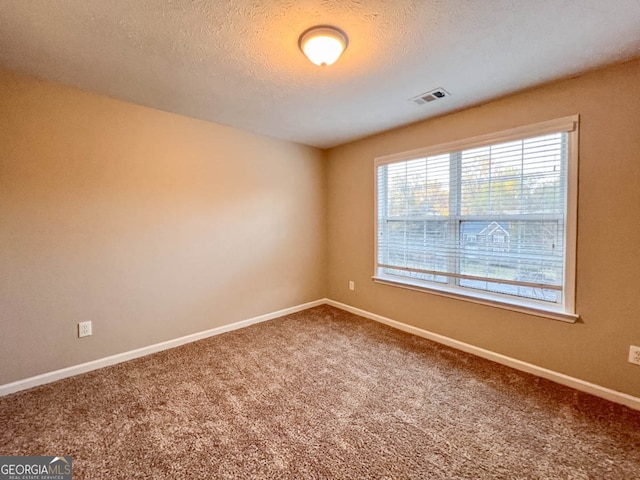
(237, 62)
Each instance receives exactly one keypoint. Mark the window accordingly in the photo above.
(492, 219)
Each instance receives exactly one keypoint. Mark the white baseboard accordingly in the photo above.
(583, 386)
(141, 352)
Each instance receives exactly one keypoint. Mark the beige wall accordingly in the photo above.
(608, 260)
(150, 224)
(154, 226)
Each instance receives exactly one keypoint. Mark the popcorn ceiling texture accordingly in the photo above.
(321, 394)
(237, 62)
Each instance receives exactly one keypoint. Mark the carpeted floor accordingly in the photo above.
(321, 394)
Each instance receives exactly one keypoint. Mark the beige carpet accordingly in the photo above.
(321, 394)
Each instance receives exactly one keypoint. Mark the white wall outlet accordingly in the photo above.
(352, 285)
(84, 329)
(634, 354)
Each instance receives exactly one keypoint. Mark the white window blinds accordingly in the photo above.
(489, 218)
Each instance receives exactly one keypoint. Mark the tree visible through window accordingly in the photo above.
(490, 218)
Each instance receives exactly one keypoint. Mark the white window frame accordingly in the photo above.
(566, 309)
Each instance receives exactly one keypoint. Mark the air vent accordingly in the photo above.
(431, 96)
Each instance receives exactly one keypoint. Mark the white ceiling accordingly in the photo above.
(237, 62)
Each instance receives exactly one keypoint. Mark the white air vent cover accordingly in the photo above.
(431, 96)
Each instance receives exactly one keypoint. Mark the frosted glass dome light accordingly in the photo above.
(323, 45)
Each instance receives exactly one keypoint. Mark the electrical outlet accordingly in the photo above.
(634, 354)
(352, 285)
(84, 329)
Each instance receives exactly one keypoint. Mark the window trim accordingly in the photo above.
(566, 311)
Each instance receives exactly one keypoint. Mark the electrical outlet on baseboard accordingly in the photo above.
(634, 355)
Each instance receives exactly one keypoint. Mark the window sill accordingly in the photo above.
(482, 299)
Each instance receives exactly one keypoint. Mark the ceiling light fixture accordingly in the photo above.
(323, 44)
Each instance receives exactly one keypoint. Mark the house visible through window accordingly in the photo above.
(492, 218)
